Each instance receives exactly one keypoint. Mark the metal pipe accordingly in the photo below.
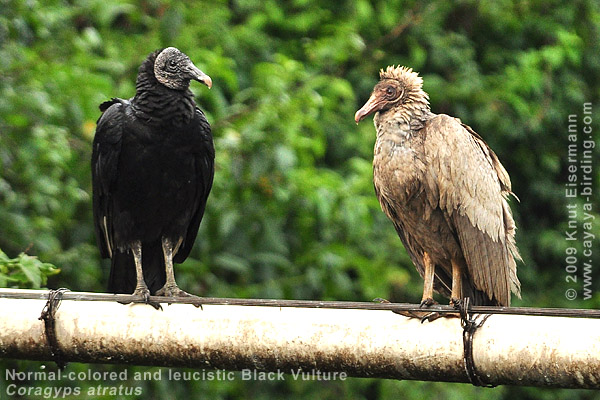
(507, 349)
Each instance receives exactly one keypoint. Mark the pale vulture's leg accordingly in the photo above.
(427, 298)
(170, 289)
(456, 283)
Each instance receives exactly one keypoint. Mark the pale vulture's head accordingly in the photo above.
(400, 89)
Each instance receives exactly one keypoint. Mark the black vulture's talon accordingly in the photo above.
(144, 294)
(174, 291)
(154, 304)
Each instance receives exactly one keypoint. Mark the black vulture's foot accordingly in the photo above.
(174, 291)
(144, 293)
(427, 302)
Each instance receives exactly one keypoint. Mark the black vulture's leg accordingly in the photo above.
(141, 289)
(170, 289)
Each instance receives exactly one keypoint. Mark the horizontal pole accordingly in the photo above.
(507, 349)
(373, 305)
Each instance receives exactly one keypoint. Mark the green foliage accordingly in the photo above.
(24, 271)
(292, 213)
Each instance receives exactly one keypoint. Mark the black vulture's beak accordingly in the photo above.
(199, 76)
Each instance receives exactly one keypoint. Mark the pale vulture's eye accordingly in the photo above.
(390, 91)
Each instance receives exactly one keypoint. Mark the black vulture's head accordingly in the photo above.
(175, 70)
(399, 89)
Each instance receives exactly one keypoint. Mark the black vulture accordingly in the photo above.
(445, 191)
(152, 171)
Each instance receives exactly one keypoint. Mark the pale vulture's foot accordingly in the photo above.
(430, 317)
(411, 314)
(454, 302)
(144, 293)
(174, 291)
(380, 300)
(427, 302)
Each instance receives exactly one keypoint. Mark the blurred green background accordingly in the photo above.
(292, 213)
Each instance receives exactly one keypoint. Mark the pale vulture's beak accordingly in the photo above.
(373, 104)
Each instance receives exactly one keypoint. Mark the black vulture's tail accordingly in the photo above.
(122, 277)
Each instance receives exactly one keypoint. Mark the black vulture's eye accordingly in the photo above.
(172, 65)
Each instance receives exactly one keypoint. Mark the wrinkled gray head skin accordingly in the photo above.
(175, 70)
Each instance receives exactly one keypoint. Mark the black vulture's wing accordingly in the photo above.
(205, 171)
(468, 183)
(105, 161)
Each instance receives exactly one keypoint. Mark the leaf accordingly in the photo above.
(30, 267)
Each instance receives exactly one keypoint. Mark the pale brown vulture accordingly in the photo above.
(446, 193)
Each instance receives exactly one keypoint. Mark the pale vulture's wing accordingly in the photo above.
(468, 183)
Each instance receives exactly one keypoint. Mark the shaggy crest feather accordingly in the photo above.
(412, 82)
(403, 74)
